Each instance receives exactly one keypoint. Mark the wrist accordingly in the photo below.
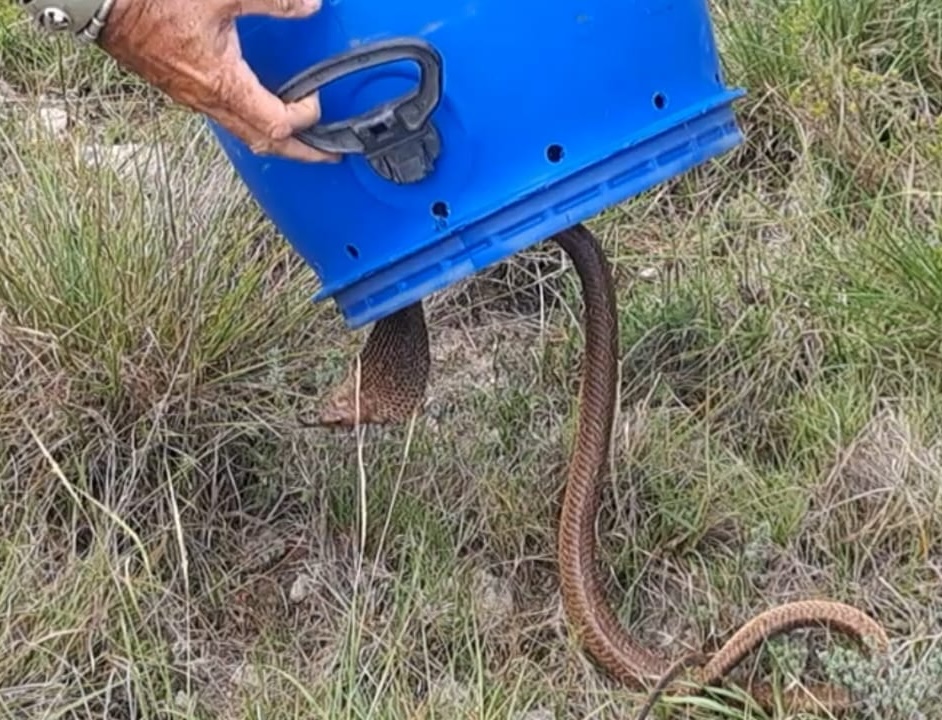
(83, 19)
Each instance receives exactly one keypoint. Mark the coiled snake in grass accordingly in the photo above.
(393, 372)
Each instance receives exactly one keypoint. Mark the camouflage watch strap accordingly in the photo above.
(82, 18)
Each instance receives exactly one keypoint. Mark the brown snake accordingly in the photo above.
(393, 373)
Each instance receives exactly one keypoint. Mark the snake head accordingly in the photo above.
(341, 408)
(392, 370)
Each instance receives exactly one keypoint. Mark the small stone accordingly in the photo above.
(537, 715)
(6, 91)
(50, 120)
(649, 274)
(303, 587)
(183, 701)
(451, 694)
(246, 676)
(127, 159)
(493, 598)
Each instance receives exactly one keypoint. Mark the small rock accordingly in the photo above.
(303, 587)
(493, 598)
(183, 701)
(49, 120)
(128, 159)
(246, 676)
(55, 120)
(537, 715)
(451, 694)
(6, 91)
(649, 274)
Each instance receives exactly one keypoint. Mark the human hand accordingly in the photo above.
(189, 49)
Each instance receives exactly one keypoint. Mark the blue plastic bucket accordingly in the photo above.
(483, 127)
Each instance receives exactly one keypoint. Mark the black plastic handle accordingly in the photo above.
(397, 137)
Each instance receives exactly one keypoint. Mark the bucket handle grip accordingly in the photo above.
(398, 138)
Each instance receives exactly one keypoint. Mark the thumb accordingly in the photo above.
(279, 8)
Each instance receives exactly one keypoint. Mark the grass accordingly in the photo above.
(173, 544)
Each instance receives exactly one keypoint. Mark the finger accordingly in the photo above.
(304, 113)
(279, 8)
(259, 144)
(296, 150)
(271, 122)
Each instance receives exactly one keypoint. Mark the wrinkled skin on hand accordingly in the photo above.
(189, 49)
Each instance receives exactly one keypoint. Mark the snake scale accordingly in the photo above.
(391, 374)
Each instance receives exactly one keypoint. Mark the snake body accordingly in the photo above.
(391, 375)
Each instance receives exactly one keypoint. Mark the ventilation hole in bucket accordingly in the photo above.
(554, 153)
(660, 101)
(719, 80)
(440, 209)
(353, 252)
